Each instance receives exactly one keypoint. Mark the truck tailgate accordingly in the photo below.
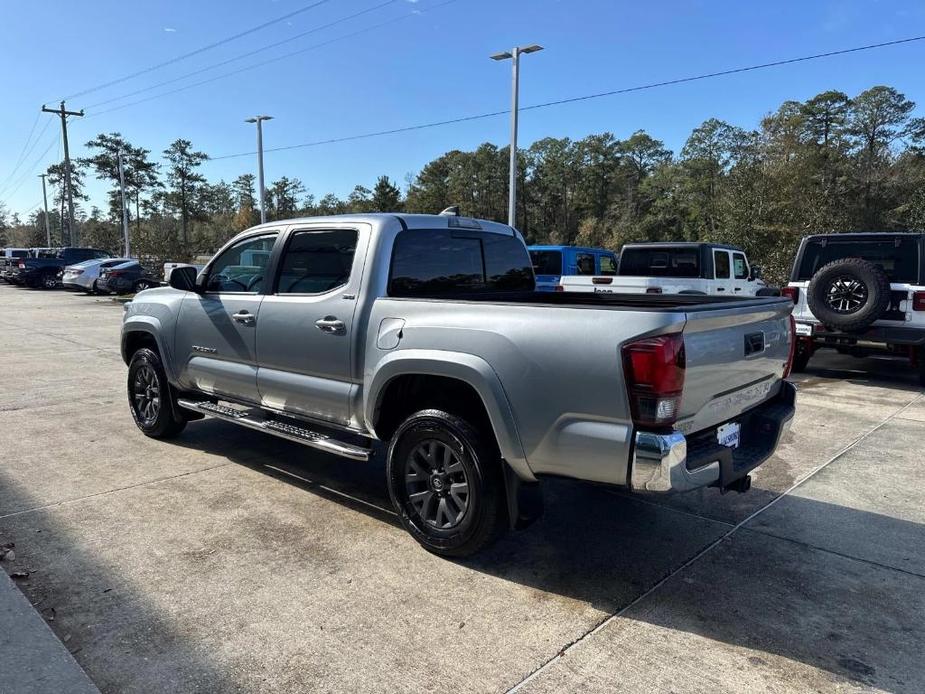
(735, 360)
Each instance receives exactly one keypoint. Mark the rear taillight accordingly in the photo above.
(559, 288)
(653, 290)
(793, 347)
(654, 372)
(22, 266)
(115, 273)
(918, 301)
(792, 293)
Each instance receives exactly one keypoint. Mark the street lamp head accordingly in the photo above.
(257, 119)
(532, 48)
(504, 55)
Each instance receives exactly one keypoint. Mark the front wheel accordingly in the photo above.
(49, 280)
(150, 397)
(444, 478)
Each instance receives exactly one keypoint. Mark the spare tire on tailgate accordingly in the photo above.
(849, 294)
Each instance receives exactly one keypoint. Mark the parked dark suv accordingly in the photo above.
(860, 294)
(127, 278)
(43, 271)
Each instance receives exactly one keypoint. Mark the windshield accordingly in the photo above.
(546, 262)
(662, 261)
(897, 256)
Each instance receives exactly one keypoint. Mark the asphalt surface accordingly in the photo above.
(229, 560)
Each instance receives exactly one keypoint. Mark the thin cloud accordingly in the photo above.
(170, 30)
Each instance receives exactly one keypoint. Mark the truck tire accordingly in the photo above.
(446, 485)
(151, 398)
(801, 357)
(49, 280)
(849, 294)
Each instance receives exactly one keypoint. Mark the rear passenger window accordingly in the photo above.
(440, 262)
(721, 263)
(317, 261)
(739, 266)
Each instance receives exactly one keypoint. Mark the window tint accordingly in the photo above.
(721, 264)
(317, 261)
(546, 262)
(897, 256)
(435, 262)
(242, 267)
(660, 262)
(608, 265)
(585, 263)
(739, 266)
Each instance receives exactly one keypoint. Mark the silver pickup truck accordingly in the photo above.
(424, 332)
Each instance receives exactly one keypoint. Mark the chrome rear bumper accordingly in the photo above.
(662, 463)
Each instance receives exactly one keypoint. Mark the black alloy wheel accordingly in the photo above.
(437, 484)
(846, 294)
(150, 397)
(445, 481)
(146, 394)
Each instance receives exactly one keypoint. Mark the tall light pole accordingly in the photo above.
(128, 253)
(514, 56)
(45, 203)
(260, 191)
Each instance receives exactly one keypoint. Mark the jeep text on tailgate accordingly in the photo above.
(424, 332)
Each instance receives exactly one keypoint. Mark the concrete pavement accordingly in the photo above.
(232, 561)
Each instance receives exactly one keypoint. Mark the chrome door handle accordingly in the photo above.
(331, 325)
(245, 317)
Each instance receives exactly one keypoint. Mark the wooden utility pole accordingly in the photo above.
(71, 231)
(45, 202)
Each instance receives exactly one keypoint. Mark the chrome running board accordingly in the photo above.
(254, 419)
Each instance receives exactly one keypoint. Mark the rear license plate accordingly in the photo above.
(805, 329)
(728, 434)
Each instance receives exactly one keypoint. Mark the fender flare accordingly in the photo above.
(151, 326)
(468, 368)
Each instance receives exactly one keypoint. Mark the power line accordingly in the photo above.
(22, 179)
(22, 152)
(586, 97)
(26, 155)
(248, 54)
(203, 49)
(272, 60)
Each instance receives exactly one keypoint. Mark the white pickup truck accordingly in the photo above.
(677, 268)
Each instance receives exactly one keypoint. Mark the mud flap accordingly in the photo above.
(524, 499)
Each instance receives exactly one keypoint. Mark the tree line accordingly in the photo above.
(832, 163)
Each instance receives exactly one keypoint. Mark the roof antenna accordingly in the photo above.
(451, 211)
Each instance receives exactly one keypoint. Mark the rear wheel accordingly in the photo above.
(445, 482)
(49, 280)
(151, 398)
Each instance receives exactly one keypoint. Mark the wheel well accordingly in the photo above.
(134, 341)
(410, 393)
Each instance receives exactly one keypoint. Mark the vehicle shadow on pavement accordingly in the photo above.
(113, 626)
(852, 610)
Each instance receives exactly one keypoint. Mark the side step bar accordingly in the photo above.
(253, 419)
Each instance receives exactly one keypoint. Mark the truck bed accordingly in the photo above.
(691, 303)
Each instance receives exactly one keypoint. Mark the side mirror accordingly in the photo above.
(185, 279)
(755, 273)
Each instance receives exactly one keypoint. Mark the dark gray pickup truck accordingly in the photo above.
(424, 332)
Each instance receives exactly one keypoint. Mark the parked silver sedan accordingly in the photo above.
(82, 277)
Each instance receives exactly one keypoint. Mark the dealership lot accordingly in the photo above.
(229, 560)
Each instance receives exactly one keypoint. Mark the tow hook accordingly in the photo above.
(741, 485)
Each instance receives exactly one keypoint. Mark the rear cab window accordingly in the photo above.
(660, 262)
(585, 263)
(898, 257)
(440, 262)
(546, 262)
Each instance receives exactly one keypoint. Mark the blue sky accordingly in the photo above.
(431, 63)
